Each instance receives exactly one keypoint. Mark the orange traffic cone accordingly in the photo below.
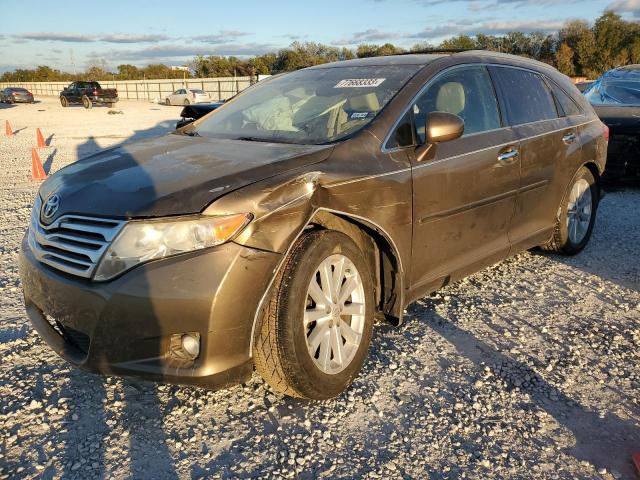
(37, 172)
(7, 129)
(40, 139)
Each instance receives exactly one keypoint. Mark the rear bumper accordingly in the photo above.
(124, 327)
(103, 100)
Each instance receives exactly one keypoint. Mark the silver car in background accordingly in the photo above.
(187, 96)
(16, 95)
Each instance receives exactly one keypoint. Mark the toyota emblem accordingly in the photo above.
(51, 206)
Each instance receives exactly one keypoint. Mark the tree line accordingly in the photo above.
(578, 49)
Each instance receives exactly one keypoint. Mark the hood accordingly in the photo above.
(170, 175)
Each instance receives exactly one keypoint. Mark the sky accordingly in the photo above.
(70, 35)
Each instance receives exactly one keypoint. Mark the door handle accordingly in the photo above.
(510, 155)
(569, 138)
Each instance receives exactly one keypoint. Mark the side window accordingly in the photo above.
(527, 96)
(466, 92)
(566, 105)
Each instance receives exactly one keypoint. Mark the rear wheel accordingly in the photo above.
(167, 102)
(86, 103)
(186, 102)
(316, 330)
(64, 102)
(576, 215)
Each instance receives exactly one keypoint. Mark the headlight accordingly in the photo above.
(141, 241)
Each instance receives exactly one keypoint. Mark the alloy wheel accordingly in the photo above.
(579, 211)
(334, 317)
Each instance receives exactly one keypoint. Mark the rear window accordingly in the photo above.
(614, 92)
(196, 91)
(564, 103)
(526, 94)
(18, 89)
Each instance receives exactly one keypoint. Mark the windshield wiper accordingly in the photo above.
(259, 139)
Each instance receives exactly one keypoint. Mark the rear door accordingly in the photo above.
(464, 190)
(549, 145)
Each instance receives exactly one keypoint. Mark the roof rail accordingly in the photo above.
(439, 50)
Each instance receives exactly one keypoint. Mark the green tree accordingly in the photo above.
(564, 60)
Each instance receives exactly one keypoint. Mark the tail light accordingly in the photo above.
(194, 94)
(606, 132)
(15, 94)
(29, 93)
(95, 92)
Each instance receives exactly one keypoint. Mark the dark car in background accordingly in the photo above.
(273, 232)
(88, 94)
(616, 99)
(191, 113)
(16, 95)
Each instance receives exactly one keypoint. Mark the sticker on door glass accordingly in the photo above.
(359, 115)
(359, 82)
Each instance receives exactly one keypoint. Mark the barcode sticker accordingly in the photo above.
(359, 82)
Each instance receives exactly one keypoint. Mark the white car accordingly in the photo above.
(187, 96)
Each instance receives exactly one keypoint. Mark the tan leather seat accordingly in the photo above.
(451, 98)
(367, 102)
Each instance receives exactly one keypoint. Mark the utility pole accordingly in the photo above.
(73, 63)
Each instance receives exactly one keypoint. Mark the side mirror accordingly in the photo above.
(440, 127)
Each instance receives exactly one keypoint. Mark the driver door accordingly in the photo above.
(464, 190)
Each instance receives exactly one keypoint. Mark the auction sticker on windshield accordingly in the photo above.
(359, 82)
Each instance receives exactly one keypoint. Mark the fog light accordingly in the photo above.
(191, 345)
(185, 346)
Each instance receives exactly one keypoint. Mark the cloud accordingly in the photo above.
(83, 38)
(370, 35)
(126, 38)
(220, 37)
(489, 28)
(56, 37)
(162, 52)
(625, 6)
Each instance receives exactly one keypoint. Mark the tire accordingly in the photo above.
(86, 103)
(572, 232)
(282, 354)
(186, 102)
(64, 102)
(167, 102)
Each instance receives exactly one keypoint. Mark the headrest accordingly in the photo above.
(451, 98)
(364, 103)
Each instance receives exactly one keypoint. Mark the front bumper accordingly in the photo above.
(123, 327)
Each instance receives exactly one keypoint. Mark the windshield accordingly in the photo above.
(610, 91)
(311, 106)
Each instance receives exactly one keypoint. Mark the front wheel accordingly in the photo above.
(317, 328)
(576, 215)
(64, 102)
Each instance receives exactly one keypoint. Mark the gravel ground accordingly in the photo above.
(528, 369)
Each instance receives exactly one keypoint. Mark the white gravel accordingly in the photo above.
(528, 369)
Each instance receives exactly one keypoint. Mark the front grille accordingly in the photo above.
(73, 243)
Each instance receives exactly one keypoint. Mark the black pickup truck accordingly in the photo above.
(88, 94)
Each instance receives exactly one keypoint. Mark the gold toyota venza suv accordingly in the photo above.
(273, 232)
